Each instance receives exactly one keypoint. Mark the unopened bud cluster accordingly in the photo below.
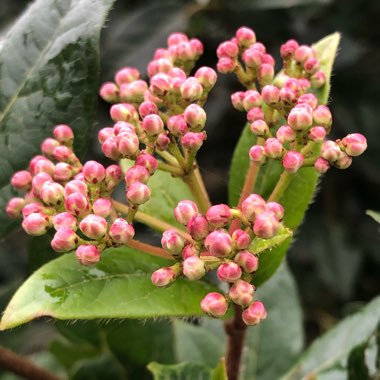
(215, 246)
(283, 113)
(72, 198)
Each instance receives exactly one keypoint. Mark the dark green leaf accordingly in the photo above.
(118, 286)
(48, 75)
(335, 346)
(183, 371)
(357, 367)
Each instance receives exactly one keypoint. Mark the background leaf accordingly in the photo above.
(118, 286)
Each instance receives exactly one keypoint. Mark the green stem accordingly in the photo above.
(281, 186)
(175, 151)
(168, 157)
(176, 171)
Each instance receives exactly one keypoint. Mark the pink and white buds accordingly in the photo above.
(48, 146)
(193, 140)
(93, 226)
(288, 49)
(163, 277)
(354, 144)
(52, 193)
(138, 193)
(318, 79)
(343, 162)
(31, 208)
(253, 205)
(36, 224)
(63, 172)
(240, 239)
(257, 154)
(177, 125)
(14, 207)
(123, 112)
(256, 113)
(259, 128)
(46, 166)
(292, 161)
(136, 173)
(65, 219)
(102, 207)
(22, 180)
(229, 272)
(109, 92)
(266, 225)
(133, 92)
(87, 254)
(162, 141)
(317, 134)
(161, 65)
(38, 181)
(63, 134)
(198, 227)
(77, 204)
(300, 119)
(65, 239)
(126, 75)
(242, 293)
(113, 176)
(286, 134)
(191, 89)
(176, 38)
(252, 58)
(252, 99)
(254, 314)
(218, 243)
(147, 161)
(194, 268)
(226, 65)
(152, 125)
(321, 165)
(195, 116)
(277, 209)
(330, 151)
(214, 304)
(322, 116)
(273, 148)
(127, 144)
(265, 74)
(110, 149)
(147, 108)
(237, 99)
(207, 77)
(76, 186)
(303, 53)
(270, 94)
(248, 261)
(309, 99)
(160, 84)
(184, 211)
(227, 49)
(121, 231)
(172, 242)
(219, 215)
(94, 172)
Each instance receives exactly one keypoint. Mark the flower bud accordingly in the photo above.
(63, 134)
(259, 128)
(123, 112)
(240, 239)
(252, 99)
(46, 166)
(38, 181)
(36, 224)
(77, 204)
(191, 89)
(214, 304)
(22, 180)
(277, 209)
(253, 205)
(318, 79)
(193, 140)
(265, 74)
(330, 151)
(48, 146)
(255, 113)
(317, 134)
(252, 58)
(152, 125)
(14, 207)
(303, 53)
(87, 254)
(254, 314)
(322, 116)
(138, 193)
(270, 94)
(343, 162)
(266, 225)
(286, 134)
(52, 193)
(162, 53)
(31, 208)
(309, 99)
(197, 47)
(61, 153)
(172, 242)
(288, 49)
(63, 172)
(123, 126)
(94, 172)
(161, 65)
(218, 243)
(227, 49)
(248, 261)
(292, 161)
(229, 272)
(147, 108)
(65, 219)
(162, 142)
(257, 154)
(102, 207)
(126, 75)
(147, 161)
(176, 38)
(189, 251)
(110, 149)
(288, 96)
(93, 226)
(65, 239)
(242, 293)
(197, 227)
(177, 125)
(321, 165)
(128, 143)
(76, 186)
(354, 144)
(219, 215)
(195, 116)
(133, 92)
(311, 65)
(121, 231)
(194, 268)
(113, 176)
(237, 99)
(160, 84)
(136, 173)
(268, 59)
(163, 277)
(207, 77)
(226, 65)
(109, 92)
(273, 148)
(245, 37)
(184, 211)
(300, 119)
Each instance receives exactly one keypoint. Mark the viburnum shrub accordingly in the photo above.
(215, 256)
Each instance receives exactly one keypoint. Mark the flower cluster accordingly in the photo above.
(215, 246)
(288, 100)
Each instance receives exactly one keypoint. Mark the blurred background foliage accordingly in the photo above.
(336, 255)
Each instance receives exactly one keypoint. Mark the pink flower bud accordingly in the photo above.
(303, 53)
(286, 134)
(77, 204)
(288, 96)
(254, 314)
(102, 207)
(189, 251)
(229, 272)
(195, 116)
(87, 254)
(219, 215)
(248, 261)
(193, 141)
(309, 99)
(256, 113)
(184, 211)
(252, 99)
(147, 108)
(30, 197)
(177, 125)
(354, 144)
(252, 58)
(121, 231)
(277, 209)
(45, 165)
(113, 176)
(288, 49)
(123, 112)
(197, 47)
(197, 227)
(32, 208)
(163, 277)
(259, 128)
(268, 60)
(207, 77)
(176, 38)
(321, 165)
(52, 193)
(138, 193)
(214, 304)
(109, 92)
(176, 72)
(22, 180)
(318, 79)
(36, 224)
(245, 37)
(317, 134)
(194, 268)
(110, 149)
(191, 89)
(14, 207)
(160, 84)
(240, 239)
(133, 92)
(65, 219)
(265, 74)
(227, 49)
(162, 53)
(38, 181)
(253, 205)
(330, 151)
(63, 172)
(93, 226)
(48, 146)
(128, 144)
(270, 94)
(237, 99)
(172, 242)
(94, 172)
(218, 243)
(292, 161)
(343, 162)
(61, 153)
(322, 116)
(266, 225)
(160, 65)
(136, 173)
(226, 65)
(242, 293)
(63, 134)
(152, 125)
(273, 148)
(76, 186)
(300, 119)
(162, 142)
(126, 75)
(147, 161)
(123, 126)
(33, 162)
(257, 154)
(311, 65)
(65, 240)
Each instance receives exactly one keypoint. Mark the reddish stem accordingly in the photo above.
(150, 249)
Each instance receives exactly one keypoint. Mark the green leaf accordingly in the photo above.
(301, 188)
(259, 245)
(357, 367)
(220, 372)
(118, 286)
(374, 215)
(335, 346)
